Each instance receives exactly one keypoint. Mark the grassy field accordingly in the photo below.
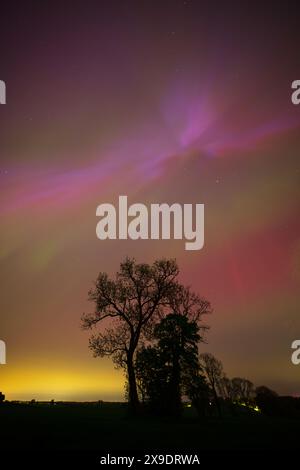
(107, 426)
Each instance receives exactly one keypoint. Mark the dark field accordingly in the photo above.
(107, 427)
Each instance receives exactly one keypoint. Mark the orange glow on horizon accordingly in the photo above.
(61, 383)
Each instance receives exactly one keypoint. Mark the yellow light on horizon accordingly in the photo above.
(55, 383)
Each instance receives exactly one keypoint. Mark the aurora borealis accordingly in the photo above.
(176, 103)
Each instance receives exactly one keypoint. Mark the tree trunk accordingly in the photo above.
(132, 392)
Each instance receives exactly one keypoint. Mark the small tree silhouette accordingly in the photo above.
(243, 390)
(213, 370)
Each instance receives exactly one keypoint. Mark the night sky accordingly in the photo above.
(163, 101)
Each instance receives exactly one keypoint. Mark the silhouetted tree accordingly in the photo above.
(225, 388)
(178, 340)
(139, 296)
(227, 392)
(236, 391)
(199, 392)
(213, 371)
(152, 378)
(163, 370)
(267, 400)
(242, 390)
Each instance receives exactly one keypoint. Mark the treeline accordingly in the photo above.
(170, 373)
(152, 326)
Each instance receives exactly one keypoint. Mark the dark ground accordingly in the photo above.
(107, 427)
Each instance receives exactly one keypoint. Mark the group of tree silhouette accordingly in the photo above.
(155, 326)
